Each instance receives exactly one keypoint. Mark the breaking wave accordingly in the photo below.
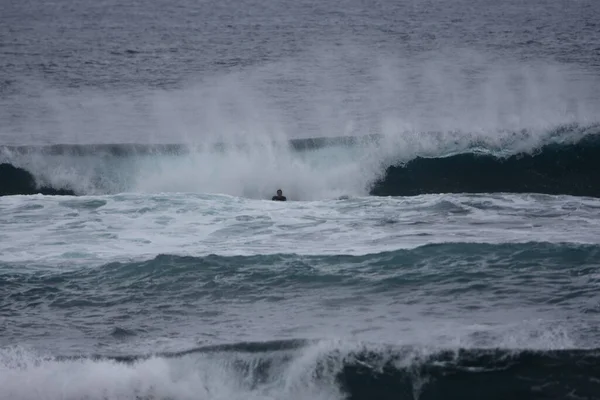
(566, 161)
(568, 169)
(298, 369)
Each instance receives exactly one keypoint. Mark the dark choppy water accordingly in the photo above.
(168, 276)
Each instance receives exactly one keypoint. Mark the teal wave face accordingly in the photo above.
(540, 272)
(528, 295)
(553, 169)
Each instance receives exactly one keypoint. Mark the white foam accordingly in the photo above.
(96, 229)
(26, 376)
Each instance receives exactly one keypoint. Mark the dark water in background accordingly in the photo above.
(170, 278)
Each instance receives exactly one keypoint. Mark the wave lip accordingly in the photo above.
(556, 169)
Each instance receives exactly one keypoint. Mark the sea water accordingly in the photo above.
(441, 238)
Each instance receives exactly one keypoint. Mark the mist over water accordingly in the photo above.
(345, 90)
(236, 125)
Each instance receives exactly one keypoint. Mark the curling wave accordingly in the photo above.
(570, 169)
(565, 160)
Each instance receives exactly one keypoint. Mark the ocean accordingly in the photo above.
(441, 238)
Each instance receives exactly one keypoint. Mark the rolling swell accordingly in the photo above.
(354, 372)
(565, 274)
(260, 272)
(557, 169)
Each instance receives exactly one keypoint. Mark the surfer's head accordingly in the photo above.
(279, 192)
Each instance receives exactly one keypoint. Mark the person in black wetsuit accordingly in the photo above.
(279, 196)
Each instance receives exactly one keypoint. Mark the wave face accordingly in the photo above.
(553, 169)
(226, 276)
(307, 370)
(19, 181)
(562, 161)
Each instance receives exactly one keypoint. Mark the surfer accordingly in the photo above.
(279, 196)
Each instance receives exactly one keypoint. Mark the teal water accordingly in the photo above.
(552, 286)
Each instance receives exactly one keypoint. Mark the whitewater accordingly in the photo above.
(441, 237)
